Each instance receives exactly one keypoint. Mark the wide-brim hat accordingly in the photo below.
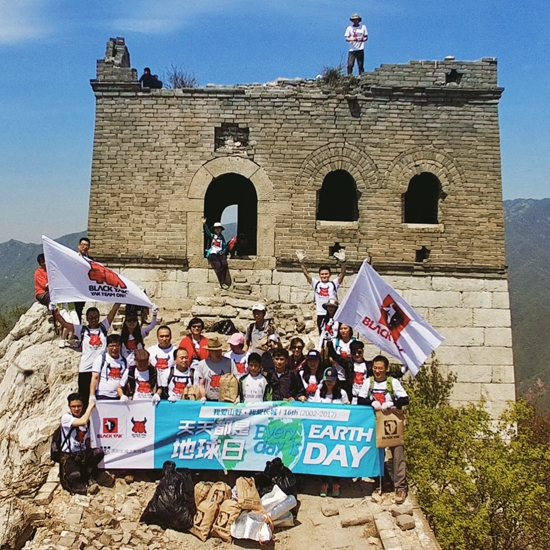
(214, 344)
(218, 224)
(355, 16)
(331, 302)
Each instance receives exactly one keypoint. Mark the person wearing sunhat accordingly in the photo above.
(217, 251)
(356, 34)
(209, 371)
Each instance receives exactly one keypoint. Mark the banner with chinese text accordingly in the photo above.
(312, 438)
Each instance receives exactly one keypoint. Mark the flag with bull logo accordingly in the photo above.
(75, 278)
(382, 316)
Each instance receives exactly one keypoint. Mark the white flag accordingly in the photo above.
(74, 278)
(382, 316)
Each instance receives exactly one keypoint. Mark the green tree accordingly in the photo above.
(8, 318)
(482, 485)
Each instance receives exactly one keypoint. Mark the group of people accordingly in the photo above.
(121, 367)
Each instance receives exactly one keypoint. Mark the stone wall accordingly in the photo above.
(157, 152)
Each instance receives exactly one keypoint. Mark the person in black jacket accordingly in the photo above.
(284, 382)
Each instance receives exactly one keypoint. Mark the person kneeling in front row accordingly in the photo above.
(79, 462)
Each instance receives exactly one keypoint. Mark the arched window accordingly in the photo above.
(337, 201)
(234, 190)
(421, 199)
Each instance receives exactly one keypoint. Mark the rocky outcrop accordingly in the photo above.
(36, 376)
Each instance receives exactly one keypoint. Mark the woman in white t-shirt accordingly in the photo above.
(311, 375)
(133, 335)
(330, 392)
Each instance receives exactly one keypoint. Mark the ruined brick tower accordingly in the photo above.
(402, 166)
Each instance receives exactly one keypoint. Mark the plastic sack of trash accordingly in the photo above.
(173, 504)
(277, 503)
(253, 526)
(284, 521)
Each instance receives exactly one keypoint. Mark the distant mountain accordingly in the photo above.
(527, 224)
(17, 265)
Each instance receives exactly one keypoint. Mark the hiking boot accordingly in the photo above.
(400, 496)
(105, 479)
(335, 490)
(74, 476)
(323, 490)
(79, 488)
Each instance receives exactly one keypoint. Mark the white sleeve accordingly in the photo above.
(398, 389)
(345, 398)
(106, 323)
(146, 330)
(96, 367)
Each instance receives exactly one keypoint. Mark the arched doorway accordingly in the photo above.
(234, 190)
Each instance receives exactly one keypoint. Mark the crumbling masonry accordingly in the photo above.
(402, 166)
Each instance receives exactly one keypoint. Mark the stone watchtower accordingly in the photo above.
(401, 165)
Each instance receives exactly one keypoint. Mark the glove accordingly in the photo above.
(340, 255)
(376, 405)
(203, 399)
(124, 399)
(92, 399)
(155, 309)
(387, 405)
(155, 399)
(172, 399)
(52, 306)
(300, 255)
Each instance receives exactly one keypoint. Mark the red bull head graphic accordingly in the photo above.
(143, 387)
(215, 381)
(114, 373)
(162, 363)
(139, 426)
(179, 387)
(103, 275)
(359, 378)
(323, 292)
(81, 436)
(393, 317)
(95, 340)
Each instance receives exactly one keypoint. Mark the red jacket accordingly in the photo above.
(187, 343)
(40, 281)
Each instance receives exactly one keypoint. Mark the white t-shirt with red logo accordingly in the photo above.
(94, 343)
(179, 381)
(143, 385)
(112, 374)
(323, 292)
(241, 362)
(311, 384)
(211, 372)
(359, 376)
(77, 439)
(163, 360)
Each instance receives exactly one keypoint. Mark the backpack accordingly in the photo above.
(104, 358)
(229, 388)
(58, 442)
(224, 327)
(389, 386)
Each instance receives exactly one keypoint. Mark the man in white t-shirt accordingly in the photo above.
(324, 289)
(142, 379)
(209, 371)
(79, 462)
(110, 372)
(161, 355)
(93, 339)
(356, 35)
(180, 377)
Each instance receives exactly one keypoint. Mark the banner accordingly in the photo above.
(310, 438)
(382, 316)
(74, 278)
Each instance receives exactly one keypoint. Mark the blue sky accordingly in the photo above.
(49, 49)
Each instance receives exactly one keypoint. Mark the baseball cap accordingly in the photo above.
(259, 307)
(330, 374)
(236, 339)
(313, 354)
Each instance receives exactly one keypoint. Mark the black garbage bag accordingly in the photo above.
(173, 504)
(280, 475)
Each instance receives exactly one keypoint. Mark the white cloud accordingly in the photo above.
(22, 20)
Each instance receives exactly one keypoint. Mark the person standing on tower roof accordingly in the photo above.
(356, 34)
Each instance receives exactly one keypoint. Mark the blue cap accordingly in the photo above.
(313, 354)
(330, 374)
